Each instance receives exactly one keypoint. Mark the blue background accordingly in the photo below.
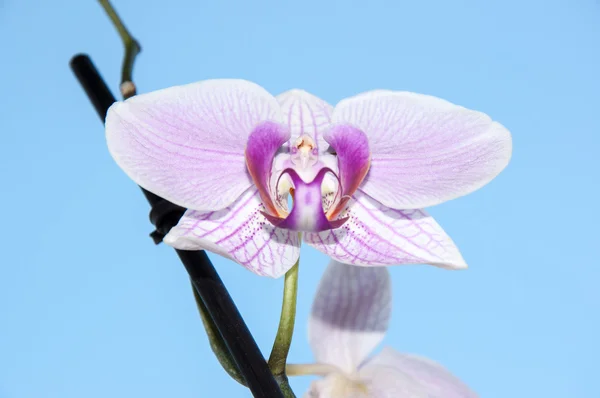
(89, 307)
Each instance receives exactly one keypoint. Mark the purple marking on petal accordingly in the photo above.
(263, 143)
(352, 148)
(307, 215)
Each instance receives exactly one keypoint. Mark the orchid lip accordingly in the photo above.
(307, 214)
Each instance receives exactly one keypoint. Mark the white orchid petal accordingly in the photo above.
(424, 150)
(241, 233)
(387, 382)
(376, 235)
(435, 380)
(187, 143)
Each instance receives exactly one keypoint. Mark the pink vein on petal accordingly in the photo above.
(377, 235)
(242, 233)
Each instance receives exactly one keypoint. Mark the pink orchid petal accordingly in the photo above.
(350, 314)
(187, 143)
(305, 113)
(434, 380)
(263, 143)
(352, 148)
(241, 233)
(424, 150)
(376, 235)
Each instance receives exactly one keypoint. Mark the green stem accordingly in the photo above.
(283, 340)
(284, 386)
(216, 342)
(132, 49)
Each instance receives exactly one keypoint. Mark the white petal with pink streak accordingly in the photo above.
(376, 235)
(241, 233)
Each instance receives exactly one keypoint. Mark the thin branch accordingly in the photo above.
(132, 49)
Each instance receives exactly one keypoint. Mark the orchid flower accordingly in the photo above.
(359, 173)
(349, 318)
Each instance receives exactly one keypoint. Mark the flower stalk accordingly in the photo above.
(283, 340)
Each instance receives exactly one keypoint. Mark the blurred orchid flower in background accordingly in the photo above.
(349, 319)
(359, 174)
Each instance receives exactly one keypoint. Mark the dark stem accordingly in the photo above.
(204, 277)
